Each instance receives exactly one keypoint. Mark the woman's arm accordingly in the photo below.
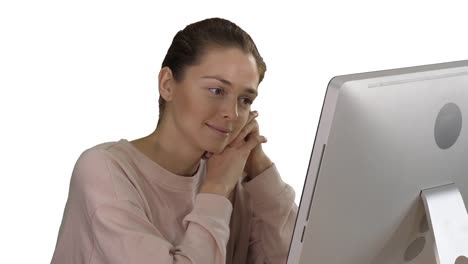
(274, 215)
(123, 234)
(102, 226)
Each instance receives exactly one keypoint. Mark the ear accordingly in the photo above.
(166, 83)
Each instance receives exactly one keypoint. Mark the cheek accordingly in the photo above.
(191, 108)
(241, 124)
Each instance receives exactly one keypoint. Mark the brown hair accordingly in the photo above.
(189, 45)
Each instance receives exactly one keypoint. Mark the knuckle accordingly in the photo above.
(253, 124)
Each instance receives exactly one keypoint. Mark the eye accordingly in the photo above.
(246, 100)
(216, 91)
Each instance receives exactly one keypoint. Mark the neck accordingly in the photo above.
(171, 150)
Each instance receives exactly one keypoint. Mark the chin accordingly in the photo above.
(215, 148)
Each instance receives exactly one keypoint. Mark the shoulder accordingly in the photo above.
(100, 176)
(93, 168)
(95, 160)
(110, 155)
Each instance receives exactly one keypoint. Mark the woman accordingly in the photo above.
(199, 189)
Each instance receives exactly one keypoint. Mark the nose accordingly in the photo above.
(229, 109)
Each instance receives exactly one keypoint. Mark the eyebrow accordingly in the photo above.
(248, 89)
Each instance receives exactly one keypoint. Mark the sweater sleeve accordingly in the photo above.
(100, 226)
(274, 215)
(123, 234)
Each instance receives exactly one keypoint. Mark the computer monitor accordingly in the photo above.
(388, 175)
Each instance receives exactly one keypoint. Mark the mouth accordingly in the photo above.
(220, 130)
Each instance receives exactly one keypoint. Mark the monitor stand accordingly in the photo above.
(448, 219)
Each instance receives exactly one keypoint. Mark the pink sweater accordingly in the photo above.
(125, 208)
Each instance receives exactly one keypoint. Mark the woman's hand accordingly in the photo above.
(244, 153)
(257, 161)
(225, 169)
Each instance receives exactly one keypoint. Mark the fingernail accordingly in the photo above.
(255, 113)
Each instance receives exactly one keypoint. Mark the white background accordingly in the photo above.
(75, 74)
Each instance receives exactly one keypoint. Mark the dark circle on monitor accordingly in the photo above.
(414, 249)
(423, 225)
(448, 126)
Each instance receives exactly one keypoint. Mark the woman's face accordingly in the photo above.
(212, 103)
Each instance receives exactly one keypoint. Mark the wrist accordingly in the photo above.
(258, 166)
(215, 188)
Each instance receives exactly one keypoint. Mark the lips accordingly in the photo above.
(220, 129)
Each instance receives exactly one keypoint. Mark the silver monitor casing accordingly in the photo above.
(374, 152)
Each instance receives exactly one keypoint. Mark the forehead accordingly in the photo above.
(231, 64)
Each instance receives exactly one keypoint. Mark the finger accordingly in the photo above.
(253, 142)
(252, 115)
(245, 131)
(251, 128)
(239, 140)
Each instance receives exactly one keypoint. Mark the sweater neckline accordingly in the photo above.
(161, 176)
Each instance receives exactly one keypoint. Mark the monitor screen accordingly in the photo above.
(388, 175)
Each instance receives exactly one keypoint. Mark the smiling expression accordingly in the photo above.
(211, 104)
